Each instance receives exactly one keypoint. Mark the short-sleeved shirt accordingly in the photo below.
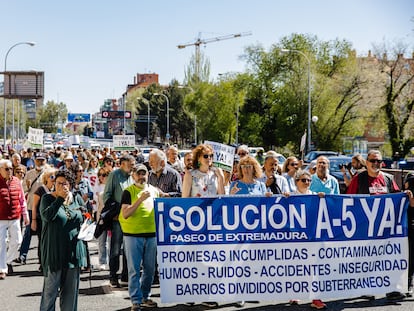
(330, 186)
(256, 188)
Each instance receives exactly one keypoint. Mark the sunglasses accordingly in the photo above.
(7, 169)
(206, 156)
(375, 161)
(304, 180)
(242, 153)
(52, 177)
(294, 164)
(19, 172)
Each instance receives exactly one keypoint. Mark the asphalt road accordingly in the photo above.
(22, 291)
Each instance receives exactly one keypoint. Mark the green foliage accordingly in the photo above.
(50, 114)
(276, 106)
(398, 100)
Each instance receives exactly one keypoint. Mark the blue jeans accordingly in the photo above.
(27, 237)
(68, 282)
(140, 250)
(115, 252)
(103, 248)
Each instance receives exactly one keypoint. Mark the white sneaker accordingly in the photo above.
(102, 267)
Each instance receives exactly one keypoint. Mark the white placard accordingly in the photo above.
(123, 142)
(35, 137)
(223, 155)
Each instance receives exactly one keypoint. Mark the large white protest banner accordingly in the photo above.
(303, 247)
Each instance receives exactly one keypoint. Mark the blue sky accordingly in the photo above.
(90, 49)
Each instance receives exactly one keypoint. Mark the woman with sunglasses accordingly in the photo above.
(290, 167)
(249, 172)
(303, 180)
(20, 172)
(103, 239)
(48, 183)
(203, 180)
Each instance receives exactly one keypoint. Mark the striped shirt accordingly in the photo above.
(169, 181)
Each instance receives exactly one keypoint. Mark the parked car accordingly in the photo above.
(309, 157)
(335, 163)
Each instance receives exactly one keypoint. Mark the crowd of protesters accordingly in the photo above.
(51, 193)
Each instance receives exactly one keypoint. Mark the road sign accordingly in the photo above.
(79, 117)
(116, 114)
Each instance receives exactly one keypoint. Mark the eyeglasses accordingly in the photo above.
(304, 180)
(246, 166)
(375, 161)
(206, 156)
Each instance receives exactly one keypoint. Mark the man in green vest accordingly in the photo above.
(137, 220)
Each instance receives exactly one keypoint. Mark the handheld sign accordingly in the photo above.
(223, 155)
(124, 142)
(35, 138)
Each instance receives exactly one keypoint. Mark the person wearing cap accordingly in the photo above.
(31, 182)
(28, 160)
(259, 157)
(137, 220)
(67, 160)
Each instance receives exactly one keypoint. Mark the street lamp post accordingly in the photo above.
(4, 98)
(309, 94)
(167, 136)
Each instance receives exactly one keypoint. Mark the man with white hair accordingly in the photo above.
(322, 181)
(12, 208)
(165, 178)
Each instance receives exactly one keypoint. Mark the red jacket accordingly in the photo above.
(11, 206)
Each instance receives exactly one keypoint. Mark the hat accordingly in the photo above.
(40, 156)
(312, 165)
(141, 167)
(68, 156)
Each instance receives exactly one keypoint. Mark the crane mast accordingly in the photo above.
(200, 41)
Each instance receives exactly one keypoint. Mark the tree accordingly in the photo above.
(398, 99)
(276, 103)
(50, 114)
(198, 70)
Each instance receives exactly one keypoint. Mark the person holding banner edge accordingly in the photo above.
(249, 184)
(203, 180)
(303, 181)
(373, 181)
(409, 185)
